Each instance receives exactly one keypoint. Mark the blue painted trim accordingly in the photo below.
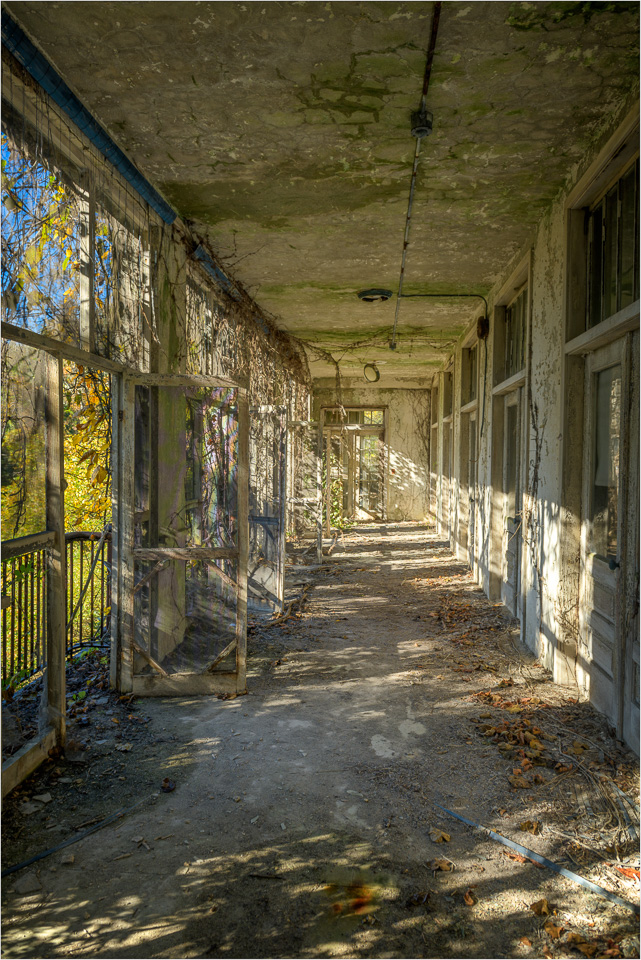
(204, 259)
(52, 83)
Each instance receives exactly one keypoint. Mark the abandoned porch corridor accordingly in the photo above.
(304, 821)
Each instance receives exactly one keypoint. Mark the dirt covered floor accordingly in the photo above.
(307, 817)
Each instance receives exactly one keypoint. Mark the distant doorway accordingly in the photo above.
(354, 461)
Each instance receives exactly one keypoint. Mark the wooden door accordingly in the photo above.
(609, 644)
(181, 529)
(471, 488)
(267, 509)
(511, 585)
(305, 493)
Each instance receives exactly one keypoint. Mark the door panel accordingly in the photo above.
(305, 492)
(600, 609)
(511, 586)
(182, 536)
(267, 503)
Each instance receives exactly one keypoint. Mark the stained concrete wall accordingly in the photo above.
(407, 440)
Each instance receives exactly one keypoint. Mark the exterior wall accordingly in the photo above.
(407, 440)
(551, 511)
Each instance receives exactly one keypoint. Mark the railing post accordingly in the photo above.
(56, 558)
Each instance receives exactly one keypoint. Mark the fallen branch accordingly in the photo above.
(296, 602)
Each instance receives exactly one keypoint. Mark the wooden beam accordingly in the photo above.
(243, 542)
(185, 553)
(223, 576)
(11, 549)
(18, 767)
(221, 656)
(59, 349)
(187, 685)
(150, 660)
(55, 675)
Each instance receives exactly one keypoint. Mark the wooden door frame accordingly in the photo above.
(123, 642)
(617, 352)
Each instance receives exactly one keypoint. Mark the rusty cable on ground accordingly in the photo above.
(532, 855)
(67, 843)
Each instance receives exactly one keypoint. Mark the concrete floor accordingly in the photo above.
(300, 824)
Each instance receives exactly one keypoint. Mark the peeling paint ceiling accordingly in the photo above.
(283, 131)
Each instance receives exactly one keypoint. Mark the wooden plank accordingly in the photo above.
(185, 553)
(187, 685)
(149, 576)
(606, 332)
(116, 406)
(87, 232)
(223, 576)
(243, 543)
(56, 559)
(59, 349)
(150, 660)
(185, 380)
(22, 764)
(19, 546)
(319, 494)
(126, 559)
(221, 656)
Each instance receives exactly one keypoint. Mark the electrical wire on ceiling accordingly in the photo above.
(421, 127)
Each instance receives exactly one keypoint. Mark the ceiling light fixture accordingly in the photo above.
(371, 373)
(375, 295)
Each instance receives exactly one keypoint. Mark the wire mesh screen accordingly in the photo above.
(304, 478)
(76, 253)
(186, 504)
(23, 440)
(267, 478)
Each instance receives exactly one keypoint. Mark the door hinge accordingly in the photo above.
(121, 416)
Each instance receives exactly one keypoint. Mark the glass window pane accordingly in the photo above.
(610, 255)
(595, 268)
(628, 249)
(605, 483)
(40, 247)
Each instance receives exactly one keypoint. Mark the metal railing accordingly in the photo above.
(24, 599)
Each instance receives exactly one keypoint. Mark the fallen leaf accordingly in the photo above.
(531, 826)
(469, 898)
(525, 942)
(587, 948)
(438, 836)
(123, 747)
(541, 908)
(516, 856)
(444, 865)
(553, 930)
(631, 872)
(520, 782)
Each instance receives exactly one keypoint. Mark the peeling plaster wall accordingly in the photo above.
(407, 443)
(542, 526)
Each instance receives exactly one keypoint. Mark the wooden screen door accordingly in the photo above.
(511, 586)
(471, 489)
(267, 509)
(181, 531)
(609, 640)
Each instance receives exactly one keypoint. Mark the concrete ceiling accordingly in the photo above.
(283, 131)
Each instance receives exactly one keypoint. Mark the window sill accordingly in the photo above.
(512, 383)
(605, 332)
(470, 407)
